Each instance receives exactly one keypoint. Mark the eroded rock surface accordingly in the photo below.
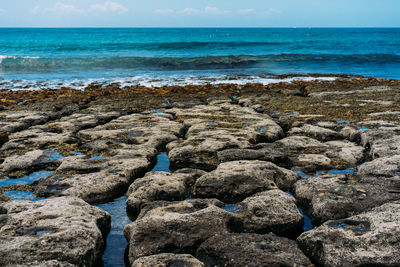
(212, 128)
(63, 229)
(251, 250)
(175, 228)
(233, 181)
(168, 259)
(368, 239)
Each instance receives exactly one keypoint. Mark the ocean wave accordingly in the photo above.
(150, 81)
(36, 64)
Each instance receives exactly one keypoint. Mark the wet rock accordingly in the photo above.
(368, 239)
(96, 187)
(51, 263)
(175, 228)
(168, 259)
(310, 155)
(272, 210)
(317, 132)
(3, 137)
(213, 128)
(22, 162)
(387, 166)
(337, 196)
(264, 151)
(63, 229)
(158, 186)
(251, 250)
(383, 141)
(313, 162)
(386, 147)
(17, 121)
(233, 181)
(345, 153)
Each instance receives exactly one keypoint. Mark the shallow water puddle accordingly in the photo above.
(162, 164)
(27, 179)
(307, 226)
(346, 171)
(116, 242)
(22, 195)
(114, 255)
(233, 208)
(97, 157)
(54, 155)
(342, 122)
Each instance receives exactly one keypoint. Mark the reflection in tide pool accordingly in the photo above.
(27, 179)
(162, 163)
(22, 195)
(116, 242)
(307, 226)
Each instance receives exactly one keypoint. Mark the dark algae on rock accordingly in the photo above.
(289, 174)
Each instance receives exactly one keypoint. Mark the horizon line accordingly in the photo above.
(202, 27)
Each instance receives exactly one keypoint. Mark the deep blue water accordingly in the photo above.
(156, 56)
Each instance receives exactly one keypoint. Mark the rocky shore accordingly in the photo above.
(290, 174)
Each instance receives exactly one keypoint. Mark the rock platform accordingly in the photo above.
(247, 169)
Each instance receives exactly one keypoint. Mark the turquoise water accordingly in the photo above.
(22, 195)
(26, 179)
(162, 164)
(116, 242)
(40, 58)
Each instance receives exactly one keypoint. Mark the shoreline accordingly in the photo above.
(247, 165)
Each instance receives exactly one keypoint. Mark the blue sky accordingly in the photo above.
(200, 13)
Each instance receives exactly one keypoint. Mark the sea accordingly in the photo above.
(38, 58)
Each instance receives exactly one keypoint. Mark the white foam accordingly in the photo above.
(149, 81)
(2, 57)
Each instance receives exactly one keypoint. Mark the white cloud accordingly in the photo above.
(214, 10)
(2, 11)
(109, 7)
(35, 10)
(246, 11)
(271, 11)
(206, 10)
(60, 7)
(164, 11)
(190, 10)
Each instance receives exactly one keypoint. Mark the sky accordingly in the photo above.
(200, 13)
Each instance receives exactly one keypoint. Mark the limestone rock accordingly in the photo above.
(168, 259)
(176, 228)
(269, 211)
(233, 181)
(251, 250)
(317, 132)
(368, 239)
(63, 229)
(157, 186)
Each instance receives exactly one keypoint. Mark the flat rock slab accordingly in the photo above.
(386, 167)
(337, 196)
(317, 132)
(158, 186)
(270, 211)
(168, 260)
(368, 239)
(62, 229)
(175, 228)
(233, 181)
(129, 144)
(251, 250)
(213, 128)
(309, 154)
